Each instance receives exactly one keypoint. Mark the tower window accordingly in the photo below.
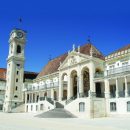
(18, 49)
(15, 96)
(16, 88)
(16, 80)
(18, 65)
(17, 72)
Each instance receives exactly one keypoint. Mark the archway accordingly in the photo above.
(45, 94)
(86, 80)
(55, 95)
(74, 83)
(65, 84)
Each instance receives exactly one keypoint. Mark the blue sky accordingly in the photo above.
(54, 25)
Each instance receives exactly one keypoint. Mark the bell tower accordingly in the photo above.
(15, 70)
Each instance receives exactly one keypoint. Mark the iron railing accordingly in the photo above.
(70, 99)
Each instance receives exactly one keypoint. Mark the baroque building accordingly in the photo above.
(82, 81)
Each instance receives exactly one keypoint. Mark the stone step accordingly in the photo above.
(59, 105)
(56, 113)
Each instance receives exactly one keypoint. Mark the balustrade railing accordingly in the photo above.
(118, 70)
(100, 95)
(43, 87)
(81, 95)
(50, 100)
(71, 99)
(99, 75)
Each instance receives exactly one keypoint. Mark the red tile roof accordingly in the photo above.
(27, 74)
(121, 49)
(54, 64)
(2, 74)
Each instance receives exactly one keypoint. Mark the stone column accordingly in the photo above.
(39, 95)
(91, 76)
(126, 87)
(60, 88)
(26, 97)
(81, 90)
(117, 90)
(35, 97)
(107, 88)
(69, 88)
(30, 97)
(52, 94)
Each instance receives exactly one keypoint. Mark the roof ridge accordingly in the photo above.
(120, 49)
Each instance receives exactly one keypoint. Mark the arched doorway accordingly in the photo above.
(74, 83)
(55, 95)
(45, 94)
(86, 81)
(65, 84)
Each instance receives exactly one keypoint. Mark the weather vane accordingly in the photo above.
(20, 22)
(89, 39)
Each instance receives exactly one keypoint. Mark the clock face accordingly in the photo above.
(19, 34)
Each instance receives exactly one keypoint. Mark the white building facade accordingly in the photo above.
(82, 81)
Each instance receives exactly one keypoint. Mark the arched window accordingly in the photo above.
(16, 88)
(15, 96)
(128, 106)
(112, 106)
(36, 107)
(31, 107)
(81, 107)
(27, 108)
(18, 49)
(41, 106)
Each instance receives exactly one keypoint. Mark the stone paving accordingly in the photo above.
(27, 121)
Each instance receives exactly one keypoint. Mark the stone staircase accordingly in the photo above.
(18, 109)
(58, 112)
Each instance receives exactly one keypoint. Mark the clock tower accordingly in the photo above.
(15, 70)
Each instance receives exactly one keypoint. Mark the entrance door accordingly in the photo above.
(55, 95)
(113, 90)
(98, 90)
(64, 94)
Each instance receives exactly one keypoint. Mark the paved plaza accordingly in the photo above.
(27, 121)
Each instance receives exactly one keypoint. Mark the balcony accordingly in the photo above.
(45, 86)
(121, 94)
(99, 74)
(119, 70)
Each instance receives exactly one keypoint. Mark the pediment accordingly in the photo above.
(72, 59)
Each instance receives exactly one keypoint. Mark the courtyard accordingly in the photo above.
(27, 121)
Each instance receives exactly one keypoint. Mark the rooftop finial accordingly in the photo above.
(91, 51)
(73, 47)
